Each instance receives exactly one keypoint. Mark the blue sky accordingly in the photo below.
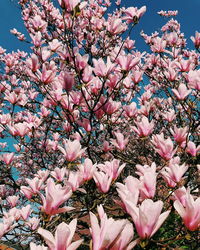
(188, 17)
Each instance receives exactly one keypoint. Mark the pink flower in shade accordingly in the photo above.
(147, 217)
(196, 39)
(85, 123)
(192, 149)
(72, 150)
(101, 68)
(164, 147)
(182, 92)
(174, 173)
(55, 196)
(189, 210)
(132, 14)
(110, 234)
(106, 146)
(63, 237)
(144, 127)
(111, 107)
(180, 135)
(68, 81)
(120, 142)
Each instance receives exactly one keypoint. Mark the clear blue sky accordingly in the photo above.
(188, 17)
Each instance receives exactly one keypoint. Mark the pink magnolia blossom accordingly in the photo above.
(115, 26)
(33, 246)
(120, 142)
(193, 79)
(196, 39)
(174, 173)
(180, 135)
(87, 169)
(148, 176)
(192, 149)
(63, 237)
(102, 180)
(72, 150)
(7, 158)
(132, 12)
(182, 92)
(55, 196)
(170, 115)
(12, 200)
(59, 173)
(189, 210)
(25, 212)
(128, 192)
(131, 109)
(33, 223)
(147, 217)
(127, 62)
(68, 81)
(112, 168)
(35, 185)
(159, 45)
(101, 68)
(144, 127)
(110, 234)
(164, 147)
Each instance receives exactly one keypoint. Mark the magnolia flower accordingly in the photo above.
(147, 217)
(189, 210)
(101, 68)
(110, 234)
(72, 150)
(182, 92)
(120, 142)
(144, 127)
(55, 196)
(63, 237)
(133, 14)
(164, 147)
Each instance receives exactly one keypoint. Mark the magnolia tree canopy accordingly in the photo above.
(99, 141)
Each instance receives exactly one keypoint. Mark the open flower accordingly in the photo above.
(72, 150)
(147, 217)
(63, 237)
